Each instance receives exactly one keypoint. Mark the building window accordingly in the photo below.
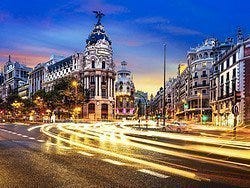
(92, 80)
(234, 73)
(221, 79)
(233, 86)
(195, 84)
(234, 58)
(204, 91)
(103, 65)
(228, 63)
(204, 82)
(93, 64)
(228, 76)
(195, 92)
(222, 67)
(104, 93)
(204, 64)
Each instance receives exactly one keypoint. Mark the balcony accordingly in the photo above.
(204, 75)
(195, 77)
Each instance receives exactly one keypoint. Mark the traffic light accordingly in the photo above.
(237, 96)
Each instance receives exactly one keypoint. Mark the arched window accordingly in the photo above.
(103, 65)
(91, 108)
(205, 55)
(93, 64)
(211, 54)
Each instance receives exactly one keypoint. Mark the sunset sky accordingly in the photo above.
(31, 31)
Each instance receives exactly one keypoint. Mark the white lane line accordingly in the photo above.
(153, 173)
(31, 138)
(113, 162)
(41, 141)
(19, 134)
(85, 153)
(24, 136)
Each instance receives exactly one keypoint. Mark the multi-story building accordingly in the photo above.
(141, 103)
(15, 74)
(156, 104)
(59, 68)
(200, 61)
(125, 93)
(229, 74)
(99, 74)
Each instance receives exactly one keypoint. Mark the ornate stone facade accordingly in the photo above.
(99, 75)
(124, 87)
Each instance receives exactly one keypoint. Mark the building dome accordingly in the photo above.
(124, 84)
(97, 34)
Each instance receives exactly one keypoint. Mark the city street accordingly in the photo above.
(118, 155)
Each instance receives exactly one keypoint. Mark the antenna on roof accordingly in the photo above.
(9, 58)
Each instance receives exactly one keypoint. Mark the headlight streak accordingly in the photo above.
(204, 149)
(178, 172)
(159, 150)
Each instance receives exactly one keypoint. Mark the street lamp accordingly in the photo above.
(200, 95)
(74, 84)
(164, 87)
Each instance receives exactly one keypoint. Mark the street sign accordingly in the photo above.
(235, 110)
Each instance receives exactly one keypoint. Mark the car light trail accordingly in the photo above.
(159, 167)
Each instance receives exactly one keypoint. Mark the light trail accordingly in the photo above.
(164, 151)
(243, 154)
(159, 167)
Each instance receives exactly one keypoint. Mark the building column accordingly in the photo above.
(108, 87)
(87, 82)
(96, 86)
(100, 85)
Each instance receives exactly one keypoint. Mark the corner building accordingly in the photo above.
(125, 90)
(99, 75)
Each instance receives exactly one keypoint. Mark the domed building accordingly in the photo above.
(99, 74)
(125, 90)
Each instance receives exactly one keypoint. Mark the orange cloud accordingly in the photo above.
(28, 59)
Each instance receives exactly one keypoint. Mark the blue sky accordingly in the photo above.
(33, 30)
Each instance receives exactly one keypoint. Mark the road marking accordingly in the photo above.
(31, 138)
(153, 173)
(85, 153)
(40, 140)
(113, 162)
(19, 134)
(24, 136)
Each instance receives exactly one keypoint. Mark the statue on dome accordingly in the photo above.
(98, 15)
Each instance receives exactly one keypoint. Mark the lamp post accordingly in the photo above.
(200, 95)
(75, 85)
(164, 87)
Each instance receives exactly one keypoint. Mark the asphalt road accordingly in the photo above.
(76, 156)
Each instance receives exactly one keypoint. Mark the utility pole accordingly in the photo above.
(164, 87)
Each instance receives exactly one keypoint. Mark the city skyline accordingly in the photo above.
(32, 32)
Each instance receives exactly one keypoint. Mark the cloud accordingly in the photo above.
(178, 30)
(151, 20)
(28, 59)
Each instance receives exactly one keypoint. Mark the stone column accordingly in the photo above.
(108, 87)
(100, 85)
(96, 85)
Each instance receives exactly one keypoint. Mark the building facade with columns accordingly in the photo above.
(125, 93)
(98, 75)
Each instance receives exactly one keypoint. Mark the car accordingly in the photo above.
(175, 126)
